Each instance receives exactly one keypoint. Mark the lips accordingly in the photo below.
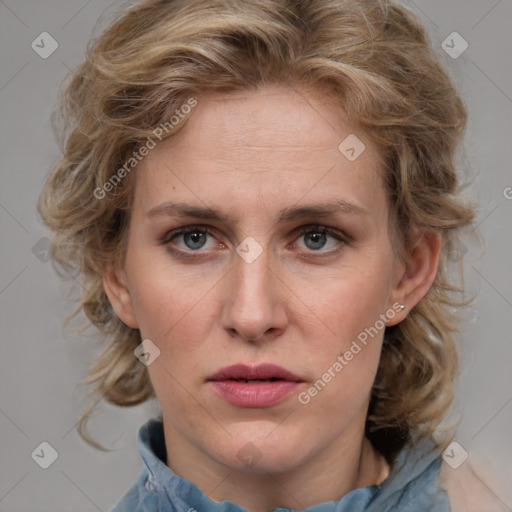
(262, 372)
(259, 386)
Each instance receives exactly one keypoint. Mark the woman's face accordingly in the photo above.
(254, 240)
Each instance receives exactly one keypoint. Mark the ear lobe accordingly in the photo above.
(117, 291)
(417, 273)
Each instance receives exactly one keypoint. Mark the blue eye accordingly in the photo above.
(194, 237)
(316, 237)
(194, 240)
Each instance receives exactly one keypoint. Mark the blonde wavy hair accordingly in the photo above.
(372, 57)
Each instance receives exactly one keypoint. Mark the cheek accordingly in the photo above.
(346, 357)
(164, 297)
(346, 302)
(174, 310)
(346, 348)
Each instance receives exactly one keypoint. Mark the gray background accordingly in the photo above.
(41, 362)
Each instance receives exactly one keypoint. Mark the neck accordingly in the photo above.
(348, 463)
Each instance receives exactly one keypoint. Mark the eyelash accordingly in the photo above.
(303, 230)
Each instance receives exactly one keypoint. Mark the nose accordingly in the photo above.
(255, 308)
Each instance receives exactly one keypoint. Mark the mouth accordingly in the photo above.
(260, 373)
(259, 386)
(249, 381)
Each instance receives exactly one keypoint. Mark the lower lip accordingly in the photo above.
(255, 395)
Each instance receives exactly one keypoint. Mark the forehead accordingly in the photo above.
(274, 144)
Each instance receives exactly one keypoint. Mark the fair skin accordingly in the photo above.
(300, 304)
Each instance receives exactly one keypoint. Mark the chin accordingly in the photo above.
(259, 454)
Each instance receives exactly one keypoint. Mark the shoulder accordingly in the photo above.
(467, 490)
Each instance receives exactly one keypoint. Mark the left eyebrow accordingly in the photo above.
(285, 215)
(322, 210)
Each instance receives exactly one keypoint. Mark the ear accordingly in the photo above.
(414, 277)
(114, 283)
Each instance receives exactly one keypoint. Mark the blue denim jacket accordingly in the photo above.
(412, 485)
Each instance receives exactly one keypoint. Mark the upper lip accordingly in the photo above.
(247, 372)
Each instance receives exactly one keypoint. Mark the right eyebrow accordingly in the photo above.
(186, 210)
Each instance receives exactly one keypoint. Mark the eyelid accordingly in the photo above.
(169, 235)
(336, 233)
